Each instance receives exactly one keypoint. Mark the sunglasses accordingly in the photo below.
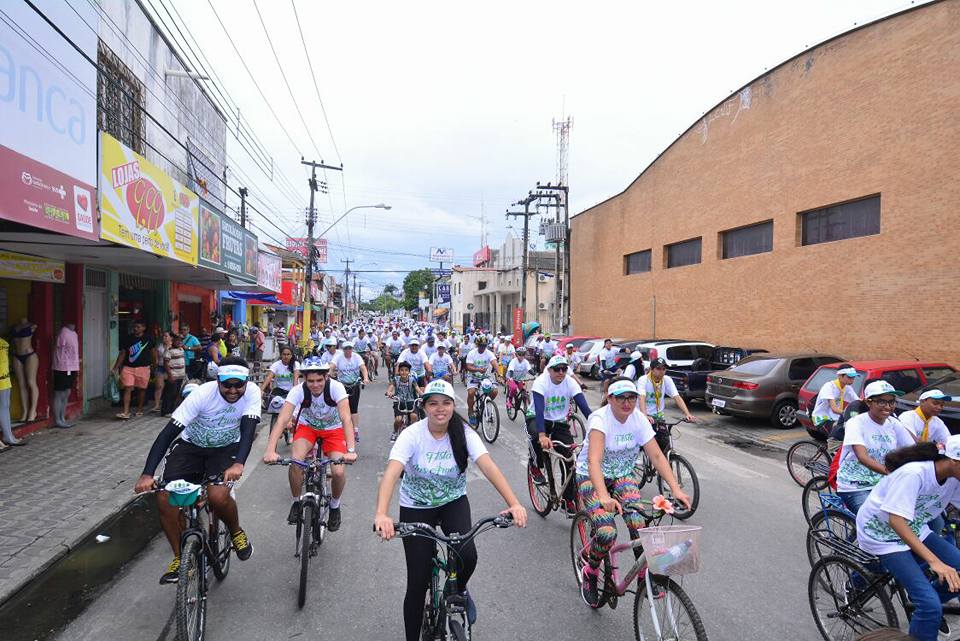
(561, 368)
(233, 384)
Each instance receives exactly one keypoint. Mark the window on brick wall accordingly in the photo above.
(683, 253)
(754, 239)
(636, 263)
(119, 100)
(838, 222)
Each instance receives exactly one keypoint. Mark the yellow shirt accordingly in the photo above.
(4, 365)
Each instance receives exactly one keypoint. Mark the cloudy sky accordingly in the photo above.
(443, 110)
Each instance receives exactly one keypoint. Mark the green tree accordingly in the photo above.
(416, 282)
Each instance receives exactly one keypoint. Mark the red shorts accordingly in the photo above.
(330, 440)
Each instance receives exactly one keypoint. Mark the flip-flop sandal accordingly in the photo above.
(139, 414)
(123, 416)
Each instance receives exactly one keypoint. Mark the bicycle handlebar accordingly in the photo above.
(157, 488)
(314, 463)
(423, 529)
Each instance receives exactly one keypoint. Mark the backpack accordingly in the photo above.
(308, 399)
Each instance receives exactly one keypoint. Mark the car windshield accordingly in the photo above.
(949, 385)
(758, 367)
(586, 346)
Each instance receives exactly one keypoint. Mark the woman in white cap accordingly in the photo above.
(605, 474)
(432, 456)
(351, 371)
(868, 438)
(894, 523)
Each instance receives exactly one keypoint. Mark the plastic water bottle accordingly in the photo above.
(672, 555)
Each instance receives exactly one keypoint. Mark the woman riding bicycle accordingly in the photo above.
(283, 374)
(517, 371)
(605, 474)
(893, 524)
(432, 455)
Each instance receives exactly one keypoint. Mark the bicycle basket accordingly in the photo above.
(820, 432)
(671, 549)
(181, 493)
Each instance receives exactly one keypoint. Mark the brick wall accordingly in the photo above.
(876, 111)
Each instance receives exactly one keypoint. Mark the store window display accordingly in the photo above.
(25, 364)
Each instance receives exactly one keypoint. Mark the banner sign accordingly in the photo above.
(144, 208)
(223, 243)
(250, 248)
(13, 265)
(517, 327)
(299, 246)
(482, 256)
(443, 294)
(269, 271)
(441, 254)
(440, 273)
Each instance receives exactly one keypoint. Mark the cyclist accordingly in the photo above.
(656, 386)
(432, 456)
(517, 371)
(605, 476)
(362, 347)
(417, 360)
(352, 373)
(209, 434)
(374, 355)
(896, 524)
(480, 360)
(552, 392)
(430, 348)
(505, 352)
(634, 368)
(393, 347)
(442, 365)
(924, 422)
(330, 351)
(322, 411)
(284, 373)
(833, 397)
(404, 389)
(547, 349)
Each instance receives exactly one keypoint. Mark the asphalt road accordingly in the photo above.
(752, 583)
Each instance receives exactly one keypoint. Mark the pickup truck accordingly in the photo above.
(691, 381)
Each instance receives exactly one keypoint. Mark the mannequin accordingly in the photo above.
(66, 363)
(25, 363)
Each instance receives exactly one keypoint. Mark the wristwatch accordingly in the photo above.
(352, 450)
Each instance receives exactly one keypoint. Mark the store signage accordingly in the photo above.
(269, 271)
(443, 294)
(482, 256)
(142, 207)
(441, 254)
(517, 326)
(48, 92)
(299, 246)
(20, 266)
(223, 243)
(440, 273)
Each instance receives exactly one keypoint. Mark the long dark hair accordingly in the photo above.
(912, 454)
(458, 440)
(293, 358)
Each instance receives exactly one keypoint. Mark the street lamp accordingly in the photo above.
(344, 215)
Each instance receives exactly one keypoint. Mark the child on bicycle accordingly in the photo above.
(517, 371)
(404, 390)
(432, 456)
(605, 474)
(893, 524)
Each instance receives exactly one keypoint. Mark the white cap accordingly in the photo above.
(619, 388)
(952, 447)
(440, 387)
(936, 394)
(848, 371)
(636, 355)
(556, 361)
(347, 344)
(330, 341)
(879, 388)
(413, 341)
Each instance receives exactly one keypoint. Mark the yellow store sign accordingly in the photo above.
(142, 207)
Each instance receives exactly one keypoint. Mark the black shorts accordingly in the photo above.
(63, 381)
(196, 464)
(354, 393)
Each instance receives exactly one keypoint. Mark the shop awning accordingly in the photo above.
(437, 313)
(257, 298)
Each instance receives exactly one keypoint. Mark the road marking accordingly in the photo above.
(786, 436)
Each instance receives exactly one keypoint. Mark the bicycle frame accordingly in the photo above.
(568, 461)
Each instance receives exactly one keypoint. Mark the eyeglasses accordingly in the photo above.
(561, 368)
(233, 384)
(884, 402)
(629, 398)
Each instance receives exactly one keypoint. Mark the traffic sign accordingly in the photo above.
(441, 254)
(440, 273)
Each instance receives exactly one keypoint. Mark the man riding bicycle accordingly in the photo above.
(418, 361)
(362, 346)
(352, 373)
(209, 434)
(517, 371)
(441, 364)
(393, 347)
(833, 397)
(479, 362)
(655, 386)
(322, 409)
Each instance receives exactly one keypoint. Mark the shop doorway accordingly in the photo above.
(191, 313)
(95, 355)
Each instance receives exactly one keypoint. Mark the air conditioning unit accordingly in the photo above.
(541, 278)
(542, 305)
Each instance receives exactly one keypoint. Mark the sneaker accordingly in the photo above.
(473, 421)
(356, 436)
(471, 607)
(333, 521)
(570, 507)
(536, 473)
(393, 436)
(172, 575)
(944, 626)
(588, 586)
(242, 545)
(294, 515)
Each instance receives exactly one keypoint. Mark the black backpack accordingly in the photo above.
(308, 398)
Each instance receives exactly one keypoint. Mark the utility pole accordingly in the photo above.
(356, 297)
(243, 206)
(560, 234)
(346, 286)
(311, 220)
(525, 214)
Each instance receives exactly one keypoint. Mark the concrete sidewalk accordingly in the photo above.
(62, 486)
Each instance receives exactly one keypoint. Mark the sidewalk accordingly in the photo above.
(61, 486)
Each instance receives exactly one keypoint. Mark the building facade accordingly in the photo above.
(813, 209)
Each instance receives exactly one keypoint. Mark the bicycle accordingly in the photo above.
(314, 508)
(272, 406)
(519, 400)
(406, 408)
(547, 496)
(683, 471)
(486, 412)
(445, 612)
(804, 457)
(205, 546)
(678, 619)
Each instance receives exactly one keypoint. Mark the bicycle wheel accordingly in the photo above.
(810, 499)
(191, 604)
(577, 429)
(490, 421)
(672, 613)
(306, 518)
(800, 455)
(580, 536)
(539, 493)
(512, 409)
(457, 629)
(840, 524)
(220, 546)
(842, 612)
(689, 483)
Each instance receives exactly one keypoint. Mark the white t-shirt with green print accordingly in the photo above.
(621, 445)
(556, 398)
(879, 441)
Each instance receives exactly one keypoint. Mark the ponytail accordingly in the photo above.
(912, 454)
(456, 428)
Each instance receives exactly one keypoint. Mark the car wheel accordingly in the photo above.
(595, 372)
(784, 415)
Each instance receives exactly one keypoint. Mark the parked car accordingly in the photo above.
(591, 359)
(905, 376)
(764, 386)
(576, 340)
(949, 385)
(691, 382)
(677, 353)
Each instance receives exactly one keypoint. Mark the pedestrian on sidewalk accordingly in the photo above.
(160, 373)
(191, 351)
(66, 363)
(174, 362)
(5, 387)
(258, 340)
(133, 366)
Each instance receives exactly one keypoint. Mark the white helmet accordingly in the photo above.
(486, 385)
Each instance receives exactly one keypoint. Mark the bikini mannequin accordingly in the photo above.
(25, 363)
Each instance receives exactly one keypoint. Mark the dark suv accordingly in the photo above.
(949, 385)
